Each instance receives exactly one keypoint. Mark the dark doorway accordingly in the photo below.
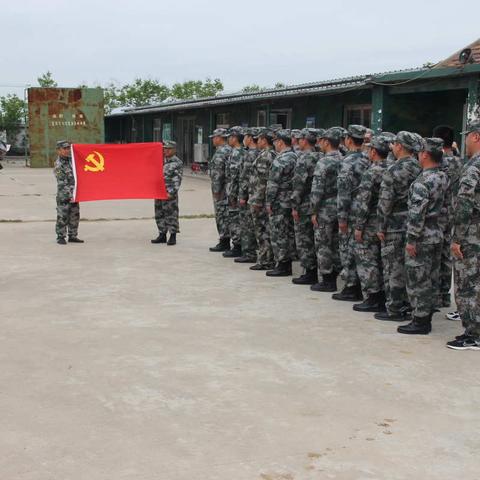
(185, 138)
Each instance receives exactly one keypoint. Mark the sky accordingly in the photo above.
(242, 43)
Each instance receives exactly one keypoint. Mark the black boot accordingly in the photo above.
(61, 241)
(349, 294)
(260, 267)
(235, 252)
(327, 284)
(162, 238)
(374, 303)
(172, 240)
(245, 259)
(400, 316)
(222, 246)
(310, 277)
(75, 240)
(283, 269)
(418, 326)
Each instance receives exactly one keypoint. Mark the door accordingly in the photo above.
(185, 138)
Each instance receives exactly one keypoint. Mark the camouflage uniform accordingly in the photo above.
(278, 197)
(452, 165)
(368, 252)
(323, 202)
(424, 230)
(392, 218)
(218, 174)
(249, 243)
(302, 186)
(166, 211)
(257, 193)
(349, 177)
(68, 213)
(234, 167)
(467, 233)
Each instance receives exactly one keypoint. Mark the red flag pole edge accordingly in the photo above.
(74, 174)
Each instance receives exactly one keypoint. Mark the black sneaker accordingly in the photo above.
(261, 267)
(61, 241)
(468, 343)
(75, 240)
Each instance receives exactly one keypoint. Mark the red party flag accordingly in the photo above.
(113, 172)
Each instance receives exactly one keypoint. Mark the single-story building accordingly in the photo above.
(417, 100)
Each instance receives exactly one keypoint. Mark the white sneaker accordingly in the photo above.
(455, 316)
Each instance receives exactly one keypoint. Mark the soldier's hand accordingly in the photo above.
(295, 215)
(243, 202)
(314, 220)
(358, 236)
(343, 227)
(381, 236)
(457, 250)
(411, 250)
(268, 208)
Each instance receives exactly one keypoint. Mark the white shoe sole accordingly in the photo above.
(464, 348)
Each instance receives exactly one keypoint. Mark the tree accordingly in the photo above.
(46, 80)
(252, 88)
(12, 115)
(141, 93)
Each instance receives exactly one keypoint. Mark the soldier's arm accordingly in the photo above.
(299, 182)
(175, 179)
(364, 197)
(417, 209)
(244, 178)
(385, 200)
(217, 173)
(318, 187)
(464, 203)
(262, 168)
(235, 163)
(344, 198)
(272, 184)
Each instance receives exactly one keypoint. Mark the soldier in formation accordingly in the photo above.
(166, 211)
(380, 209)
(68, 211)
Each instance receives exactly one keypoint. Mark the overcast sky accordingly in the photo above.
(243, 42)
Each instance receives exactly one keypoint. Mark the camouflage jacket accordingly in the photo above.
(234, 168)
(246, 173)
(467, 204)
(393, 199)
(366, 202)
(172, 171)
(348, 180)
(426, 206)
(63, 171)
(452, 165)
(260, 171)
(302, 181)
(323, 197)
(279, 185)
(218, 169)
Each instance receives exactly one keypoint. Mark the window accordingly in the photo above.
(167, 131)
(281, 117)
(358, 115)
(223, 120)
(261, 118)
(157, 130)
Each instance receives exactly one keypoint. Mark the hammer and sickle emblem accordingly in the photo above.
(95, 162)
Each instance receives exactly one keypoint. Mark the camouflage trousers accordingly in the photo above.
(281, 234)
(166, 215)
(305, 242)
(467, 288)
(422, 278)
(445, 279)
(262, 235)
(220, 208)
(249, 242)
(234, 225)
(326, 246)
(393, 261)
(68, 218)
(347, 258)
(368, 260)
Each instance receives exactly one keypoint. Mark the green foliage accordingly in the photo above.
(254, 88)
(196, 89)
(12, 115)
(46, 80)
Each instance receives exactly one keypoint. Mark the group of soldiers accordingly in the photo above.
(386, 212)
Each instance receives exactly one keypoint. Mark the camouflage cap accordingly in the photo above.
(219, 132)
(391, 136)
(308, 132)
(472, 127)
(319, 132)
(169, 144)
(411, 141)
(283, 134)
(266, 133)
(433, 145)
(296, 133)
(333, 133)
(356, 131)
(63, 144)
(275, 127)
(380, 142)
(237, 130)
(255, 131)
(247, 130)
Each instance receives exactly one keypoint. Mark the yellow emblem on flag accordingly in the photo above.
(95, 162)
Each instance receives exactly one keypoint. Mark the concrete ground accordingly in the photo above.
(122, 360)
